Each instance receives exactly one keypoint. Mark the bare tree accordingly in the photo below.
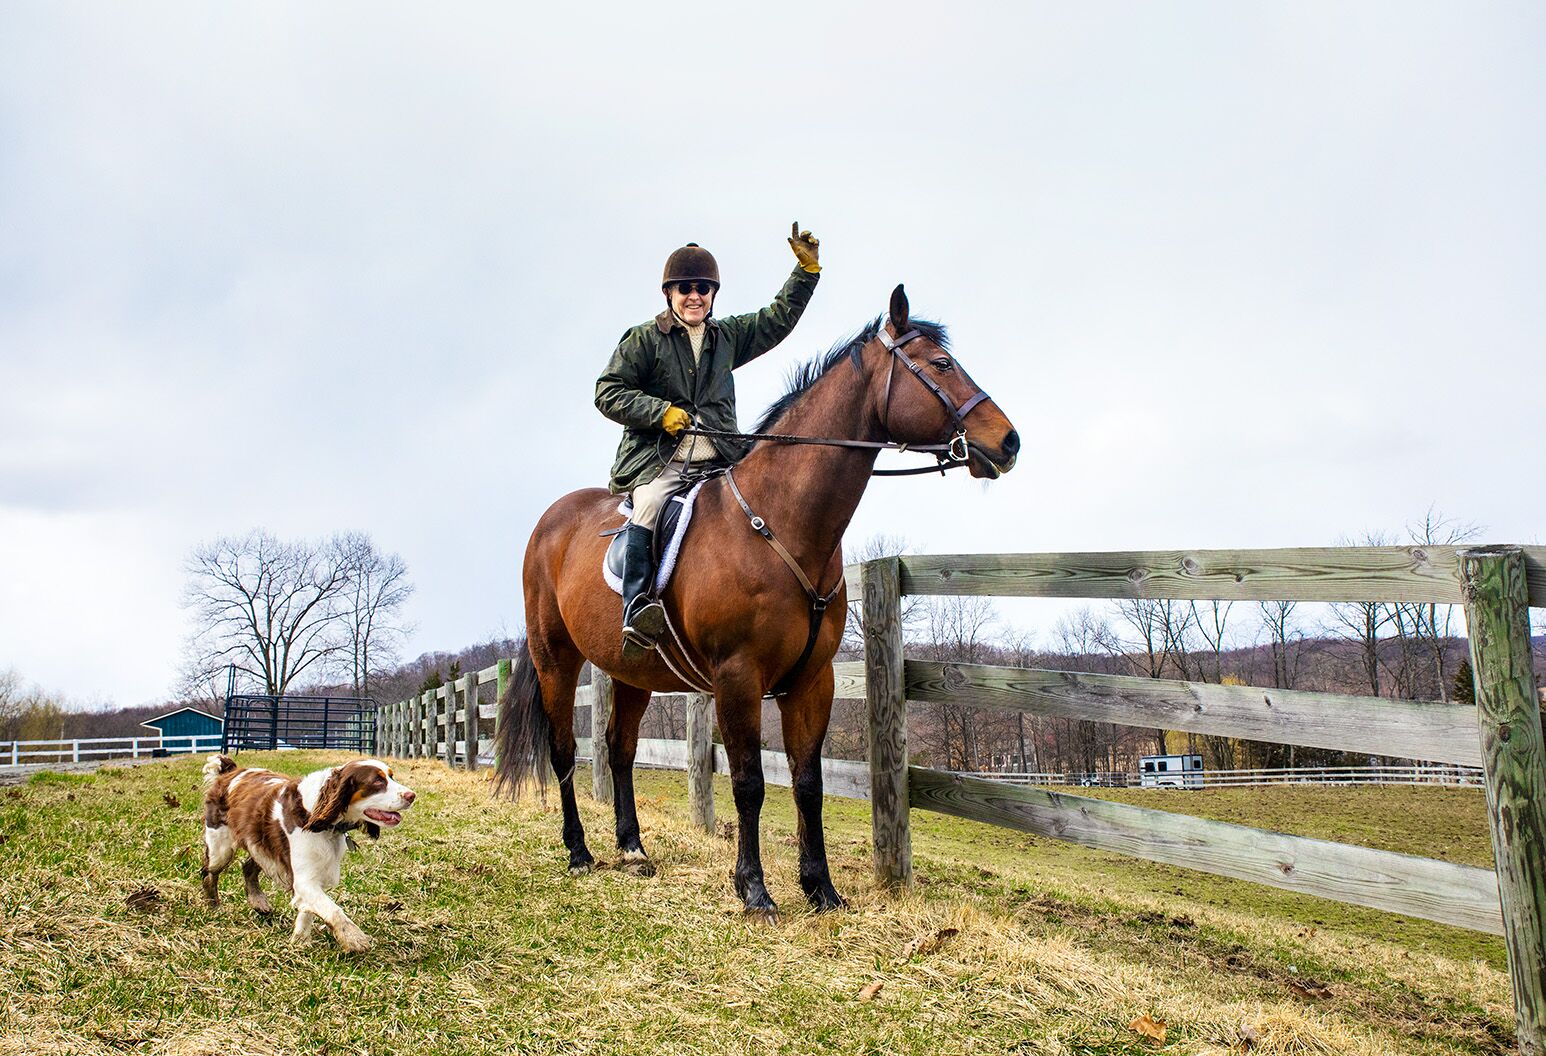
(1432, 623)
(376, 591)
(958, 630)
(1360, 622)
(1285, 640)
(274, 609)
(914, 608)
(1161, 626)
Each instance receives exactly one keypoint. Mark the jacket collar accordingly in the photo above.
(665, 322)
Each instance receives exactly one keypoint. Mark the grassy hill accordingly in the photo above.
(484, 944)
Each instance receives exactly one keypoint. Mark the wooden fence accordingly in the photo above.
(88, 749)
(1502, 733)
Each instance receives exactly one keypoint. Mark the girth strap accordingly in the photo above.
(818, 601)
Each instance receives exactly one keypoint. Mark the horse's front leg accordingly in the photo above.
(739, 708)
(622, 733)
(806, 711)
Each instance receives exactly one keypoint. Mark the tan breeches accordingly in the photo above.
(649, 498)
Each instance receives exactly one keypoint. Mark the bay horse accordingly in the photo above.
(746, 615)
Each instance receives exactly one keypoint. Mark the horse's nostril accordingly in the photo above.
(1012, 443)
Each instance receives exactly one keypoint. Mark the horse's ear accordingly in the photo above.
(899, 309)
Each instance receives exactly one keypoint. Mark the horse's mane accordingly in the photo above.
(804, 375)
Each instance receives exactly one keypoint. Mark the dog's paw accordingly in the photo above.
(353, 940)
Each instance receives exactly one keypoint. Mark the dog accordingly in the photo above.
(296, 831)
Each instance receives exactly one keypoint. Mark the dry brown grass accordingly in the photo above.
(484, 944)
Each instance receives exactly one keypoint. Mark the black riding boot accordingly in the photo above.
(644, 619)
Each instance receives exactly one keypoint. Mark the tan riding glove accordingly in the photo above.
(675, 420)
(805, 248)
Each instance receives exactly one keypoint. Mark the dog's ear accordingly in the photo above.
(334, 799)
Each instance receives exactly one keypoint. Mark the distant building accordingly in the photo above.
(188, 730)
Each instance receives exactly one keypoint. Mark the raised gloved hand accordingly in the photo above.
(805, 248)
(675, 420)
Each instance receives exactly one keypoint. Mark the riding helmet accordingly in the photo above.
(691, 263)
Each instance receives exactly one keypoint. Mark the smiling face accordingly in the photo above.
(691, 301)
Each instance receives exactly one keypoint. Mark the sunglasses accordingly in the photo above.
(702, 289)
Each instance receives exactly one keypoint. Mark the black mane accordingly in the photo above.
(806, 374)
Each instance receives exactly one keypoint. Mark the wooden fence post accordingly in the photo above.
(1498, 626)
(501, 680)
(450, 713)
(886, 694)
(425, 720)
(470, 722)
(700, 761)
(600, 717)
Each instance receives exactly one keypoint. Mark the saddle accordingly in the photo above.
(670, 530)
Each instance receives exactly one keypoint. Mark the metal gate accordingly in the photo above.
(264, 722)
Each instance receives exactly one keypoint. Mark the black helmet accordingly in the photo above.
(690, 263)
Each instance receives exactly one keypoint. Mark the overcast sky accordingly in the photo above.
(1242, 275)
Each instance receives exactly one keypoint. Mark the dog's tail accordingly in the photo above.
(216, 765)
(522, 745)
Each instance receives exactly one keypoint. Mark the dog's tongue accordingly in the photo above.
(384, 817)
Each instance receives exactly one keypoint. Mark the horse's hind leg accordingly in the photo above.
(622, 733)
(558, 686)
(558, 664)
(806, 712)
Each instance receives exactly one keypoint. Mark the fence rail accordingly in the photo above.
(1501, 734)
(85, 749)
(1446, 776)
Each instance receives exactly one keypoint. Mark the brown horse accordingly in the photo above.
(743, 617)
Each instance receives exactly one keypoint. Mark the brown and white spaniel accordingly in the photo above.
(296, 831)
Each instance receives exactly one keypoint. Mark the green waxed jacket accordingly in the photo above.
(653, 369)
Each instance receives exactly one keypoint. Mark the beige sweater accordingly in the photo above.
(695, 448)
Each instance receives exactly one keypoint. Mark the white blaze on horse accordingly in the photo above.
(757, 603)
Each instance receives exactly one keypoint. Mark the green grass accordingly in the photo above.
(484, 944)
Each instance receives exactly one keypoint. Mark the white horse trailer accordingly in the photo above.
(1170, 771)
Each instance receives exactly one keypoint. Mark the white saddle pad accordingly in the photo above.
(673, 545)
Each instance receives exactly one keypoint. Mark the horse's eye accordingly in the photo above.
(943, 365)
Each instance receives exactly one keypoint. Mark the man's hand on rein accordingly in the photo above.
(675, 420)
(805, 247)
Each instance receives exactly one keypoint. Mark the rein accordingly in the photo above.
(952, 454)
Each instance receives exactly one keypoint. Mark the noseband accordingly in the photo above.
(955, 449)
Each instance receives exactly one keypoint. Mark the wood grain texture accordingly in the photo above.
(1461, 895)
(448, 724)
(848, 677)
(1349, 573)
(1509, 717)
(600, 717)
(1411, 729)
(700, 761)
(886, 696)
(501, 680)
(470, 721)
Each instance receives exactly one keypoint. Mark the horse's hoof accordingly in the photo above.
(826, 900)
(761, 914)
(581, 863)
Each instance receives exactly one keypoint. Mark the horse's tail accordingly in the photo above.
(522, 740)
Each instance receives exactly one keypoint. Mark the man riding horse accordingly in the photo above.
(674, 372)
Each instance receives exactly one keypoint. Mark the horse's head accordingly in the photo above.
(940, 402)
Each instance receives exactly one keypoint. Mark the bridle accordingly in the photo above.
(952, 454)
(956, 448)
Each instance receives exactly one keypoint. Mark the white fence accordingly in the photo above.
(85, 749)
(1452, 776)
